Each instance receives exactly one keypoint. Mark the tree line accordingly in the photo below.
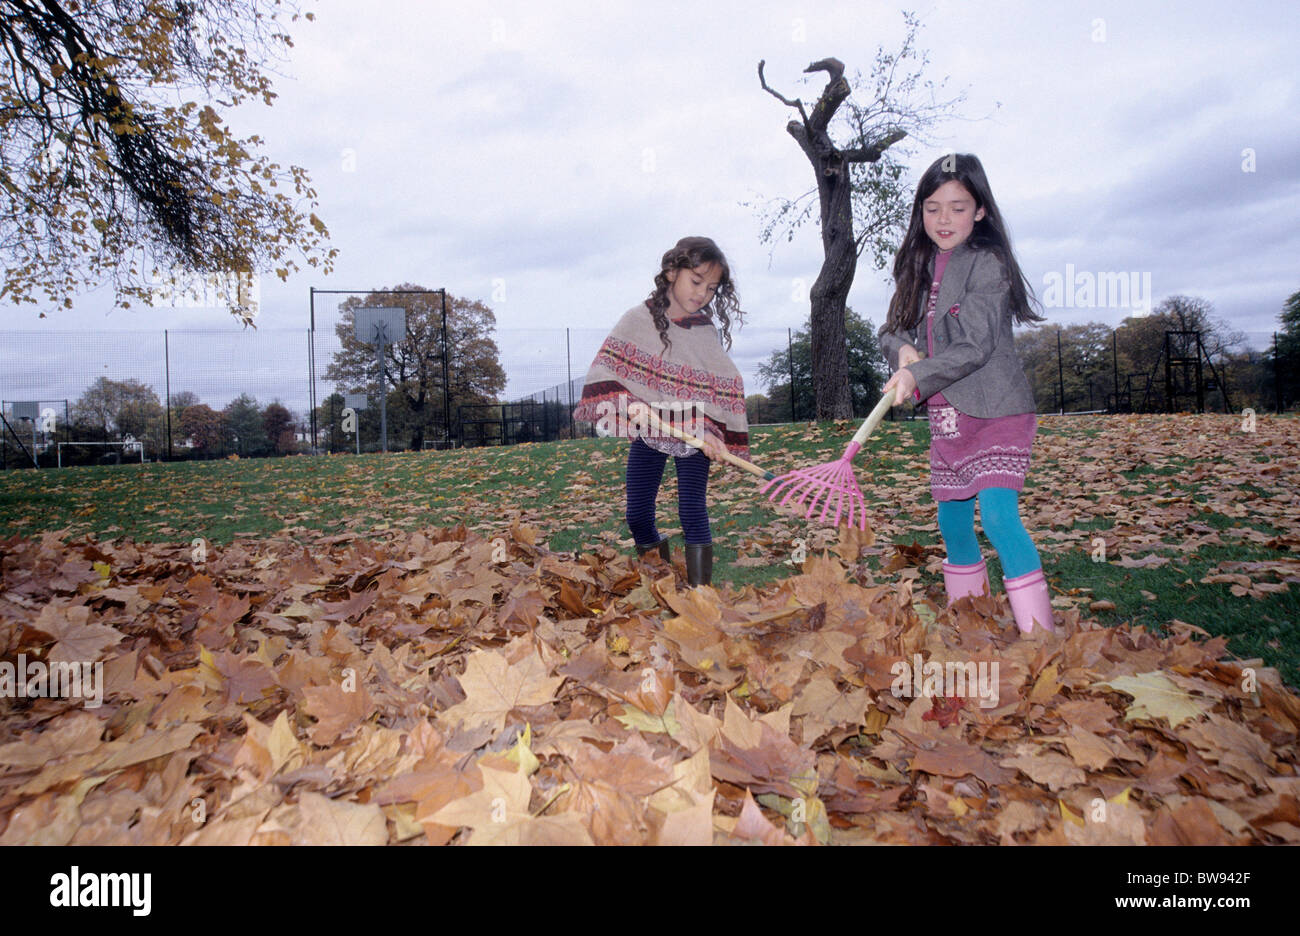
(1093, 361)
(122, 410)
(420, 404)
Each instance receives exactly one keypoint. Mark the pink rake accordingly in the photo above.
(833, 481)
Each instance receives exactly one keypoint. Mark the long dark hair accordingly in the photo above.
(687, 254)
(911, 265)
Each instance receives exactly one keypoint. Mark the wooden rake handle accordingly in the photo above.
(736, 460)
(874, 417)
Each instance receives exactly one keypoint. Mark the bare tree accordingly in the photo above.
(854, 182)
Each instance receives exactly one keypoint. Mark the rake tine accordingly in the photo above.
(827, 505)
(825, 493)
(798, 481)
(840, 497)
(784, 482)
(838, 490)
(774, 487)
(855, 503)
(803, 489)
(807, 505)
(817, 486)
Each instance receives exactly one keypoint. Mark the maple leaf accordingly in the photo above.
(50, 819)
(356, 605)
(612, 816)
(1055, 771)
(852, 540)
(824, 706)
(693, 729)
(957, 758)
(1019, 816)
(338, 822)
(336, 710)
(72, 734)
(639, 720)
(78, 640)
(630, 767)
(226, 610)
(493, 687)
(945, 710)
(650, 689)
(437, 789)
(752, 825)
(519, 757)
(692, 825)
(498, 815)
(1116, 821)
(775, 764)
(691, 783)
(698, 617)
(1094, 752)
(1236, 749)
(1155, 696)
(245, 678)
(1093, 715)
(524, 604)
(1151, 561)
(503, 796)
(571, 600)
(1190, 822)
(266, 749)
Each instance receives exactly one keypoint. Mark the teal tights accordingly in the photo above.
(1000, 514)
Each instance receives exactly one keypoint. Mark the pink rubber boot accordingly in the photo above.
(963, 580)
(1031, 602)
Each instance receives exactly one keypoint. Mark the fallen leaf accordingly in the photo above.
(1155, 696)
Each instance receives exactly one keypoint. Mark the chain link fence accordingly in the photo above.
(183, 394)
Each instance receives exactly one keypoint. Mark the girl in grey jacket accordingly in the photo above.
(958, 290)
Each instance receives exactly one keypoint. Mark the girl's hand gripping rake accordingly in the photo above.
(834, 480)
(676, 433)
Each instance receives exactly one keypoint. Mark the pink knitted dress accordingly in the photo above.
(967, 453)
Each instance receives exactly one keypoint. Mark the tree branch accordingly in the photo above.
(796, 103)
(869, 154)
(832, 66)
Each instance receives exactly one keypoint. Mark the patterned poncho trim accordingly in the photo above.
(697, 384)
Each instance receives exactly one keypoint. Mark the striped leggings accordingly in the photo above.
(645, 471)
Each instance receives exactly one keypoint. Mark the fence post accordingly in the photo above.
(311, 366)
(167, 366)
(789, 344)
(1277, 376)
(1060, 369)
(569, 363)
(1114, 360)
(446, 390)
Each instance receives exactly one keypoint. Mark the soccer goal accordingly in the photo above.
(125, 450)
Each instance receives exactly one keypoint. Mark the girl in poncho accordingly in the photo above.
(669, 354)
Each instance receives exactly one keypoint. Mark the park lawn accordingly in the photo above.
(1146, 519)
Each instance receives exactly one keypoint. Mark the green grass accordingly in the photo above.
(572, 493)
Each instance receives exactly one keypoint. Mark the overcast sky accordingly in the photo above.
(540, 157)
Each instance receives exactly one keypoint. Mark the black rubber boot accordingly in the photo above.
(662, 546)
(699, 564)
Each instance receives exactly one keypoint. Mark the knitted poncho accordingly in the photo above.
(694, 382)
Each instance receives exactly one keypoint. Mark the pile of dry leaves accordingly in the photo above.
(441, 687)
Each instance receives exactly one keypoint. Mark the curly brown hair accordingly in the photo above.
(687, 254)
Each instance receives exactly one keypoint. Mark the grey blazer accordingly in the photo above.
(974, 362)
